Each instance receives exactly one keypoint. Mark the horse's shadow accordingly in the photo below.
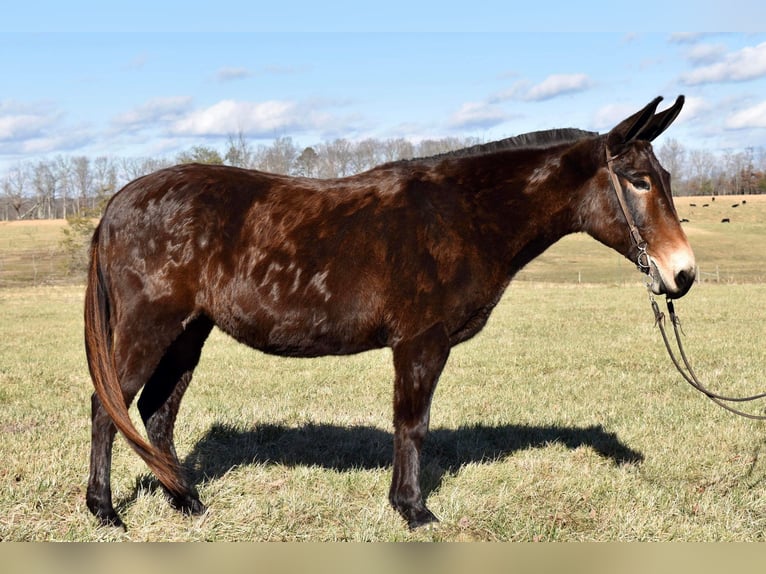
(345, 448)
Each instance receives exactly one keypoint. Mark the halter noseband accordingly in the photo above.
(642, 259)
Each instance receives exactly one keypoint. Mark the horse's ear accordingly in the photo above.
(629, 129)
(661, 121)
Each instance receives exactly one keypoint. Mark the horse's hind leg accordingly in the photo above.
(99, 495)
(161, 398)
(418, 363)
(103, 430)
(140, 344)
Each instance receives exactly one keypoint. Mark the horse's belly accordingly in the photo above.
(301, 332)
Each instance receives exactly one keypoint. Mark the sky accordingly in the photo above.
(151, 79)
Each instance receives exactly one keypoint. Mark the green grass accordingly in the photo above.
(562, 421)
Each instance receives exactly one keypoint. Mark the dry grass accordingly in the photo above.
(561, 421)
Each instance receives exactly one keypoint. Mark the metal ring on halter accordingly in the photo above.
(642, 260)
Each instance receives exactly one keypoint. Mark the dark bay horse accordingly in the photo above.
(412, 255)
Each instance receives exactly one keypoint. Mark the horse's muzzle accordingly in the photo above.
(674, 282)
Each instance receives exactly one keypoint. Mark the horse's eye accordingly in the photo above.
(642, 184)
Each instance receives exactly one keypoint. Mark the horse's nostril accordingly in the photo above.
(684, 280)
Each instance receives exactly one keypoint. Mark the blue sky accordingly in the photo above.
(90, 78)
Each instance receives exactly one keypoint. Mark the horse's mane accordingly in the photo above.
(532, 140)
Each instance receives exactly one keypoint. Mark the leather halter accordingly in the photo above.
(642, 259)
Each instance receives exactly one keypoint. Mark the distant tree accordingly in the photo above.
(335, 158)
(672, 156)
(82, 181)
(239, 153)
(399, 148)
(131, 168)
(63, 167)
(75, 242)
(104, 183)
(365, 155)
(279, 157)
(45, 183)
(200, 154)
(14, 188)
(307, 164)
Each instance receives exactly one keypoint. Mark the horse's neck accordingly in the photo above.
(529, 199)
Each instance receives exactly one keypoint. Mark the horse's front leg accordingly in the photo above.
(418, 362)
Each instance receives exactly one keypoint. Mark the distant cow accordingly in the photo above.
(735, 205)
(684, 220)
(725, 220)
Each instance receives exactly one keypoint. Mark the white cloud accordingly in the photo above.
(261, 119)
(693, 107)
(477, 115)
(551, 87)
(557, 85)
(752, 117)
(610, 115)
(745, 64)
(19, 122)
(153, 112)
(37, 128)
(705, 53)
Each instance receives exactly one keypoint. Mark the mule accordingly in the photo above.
(412, 255)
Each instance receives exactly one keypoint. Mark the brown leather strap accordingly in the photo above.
(642, 259)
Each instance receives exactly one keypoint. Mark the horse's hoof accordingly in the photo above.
(188, 505)
(420, 518)
(111, 520)
(425, 523)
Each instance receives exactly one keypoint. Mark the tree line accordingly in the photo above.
(78, 186)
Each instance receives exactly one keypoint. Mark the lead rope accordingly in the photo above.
(688, 373)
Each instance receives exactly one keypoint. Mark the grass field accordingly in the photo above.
(562, 421)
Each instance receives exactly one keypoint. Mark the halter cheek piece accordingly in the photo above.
(642, 259)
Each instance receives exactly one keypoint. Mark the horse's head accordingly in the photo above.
(637, 216)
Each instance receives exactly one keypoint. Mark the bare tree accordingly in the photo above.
(672, 155)
(365, 155)
(45, 183)
(279, 157)
(399, 148)
(335, 158)
(239, 152)
(14, 188)
(64, 170)
(82, 182)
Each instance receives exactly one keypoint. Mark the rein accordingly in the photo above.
(643, 263)
(689, 375)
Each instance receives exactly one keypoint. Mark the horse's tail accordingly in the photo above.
(99, 337)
